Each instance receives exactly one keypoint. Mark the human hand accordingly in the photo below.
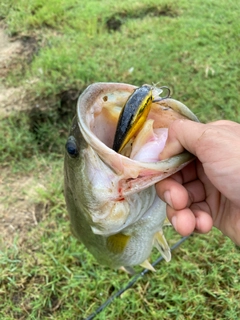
(206, 193)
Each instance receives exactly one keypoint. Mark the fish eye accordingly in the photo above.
(71, 147)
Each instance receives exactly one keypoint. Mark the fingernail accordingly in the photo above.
(174, 222)
(167, 198)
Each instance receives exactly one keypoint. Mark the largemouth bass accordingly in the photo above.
(110, 197)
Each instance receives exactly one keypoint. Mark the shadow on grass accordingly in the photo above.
(115, 21)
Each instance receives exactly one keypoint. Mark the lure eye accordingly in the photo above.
(71, 147)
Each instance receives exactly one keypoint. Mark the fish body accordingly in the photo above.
(111, 198)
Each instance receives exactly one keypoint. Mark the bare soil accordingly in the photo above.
(15, 53)
(17, 211)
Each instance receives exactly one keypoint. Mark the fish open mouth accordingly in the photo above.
(148, 140)
(98, 117)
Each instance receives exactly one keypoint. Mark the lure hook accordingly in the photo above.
(167, 96)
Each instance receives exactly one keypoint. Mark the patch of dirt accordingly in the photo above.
(14, 54)
(8, 51)
(17, 213)
(11, 99)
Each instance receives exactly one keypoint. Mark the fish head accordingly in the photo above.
(111, 199)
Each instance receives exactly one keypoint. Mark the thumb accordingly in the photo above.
(182, 134)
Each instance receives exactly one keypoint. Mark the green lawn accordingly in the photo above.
(191, 47)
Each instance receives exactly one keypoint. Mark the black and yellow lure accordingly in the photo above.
(134, 114)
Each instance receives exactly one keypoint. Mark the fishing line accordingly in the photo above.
(131, 282)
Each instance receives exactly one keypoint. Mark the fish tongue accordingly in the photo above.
(149, 143)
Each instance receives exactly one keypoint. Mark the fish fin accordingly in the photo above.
(167, 223)
(128, 270)
(147, 265)
(161, 244)
(117, 242)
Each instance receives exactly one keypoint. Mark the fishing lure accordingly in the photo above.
(134, 114)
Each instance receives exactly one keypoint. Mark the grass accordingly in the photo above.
(192, 48)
